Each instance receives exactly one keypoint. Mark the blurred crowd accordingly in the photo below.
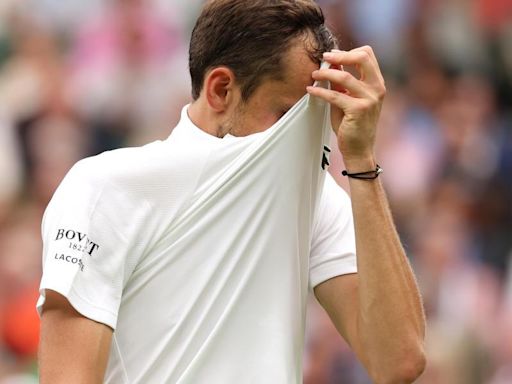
(81, 77)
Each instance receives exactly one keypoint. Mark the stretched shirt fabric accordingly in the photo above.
(199, 251)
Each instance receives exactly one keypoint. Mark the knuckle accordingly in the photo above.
(364, 104)
(363, 48)
(381, 92)
(344, 76)
(368, 49)
(369, 102)
(375, 101)
(333, 97)
(364, 56)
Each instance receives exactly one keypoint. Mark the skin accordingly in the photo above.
(72, 349)
(378, 310)
(387, 330)
(366, 307)
(220, 110)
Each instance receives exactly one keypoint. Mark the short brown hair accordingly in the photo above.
(251, 37)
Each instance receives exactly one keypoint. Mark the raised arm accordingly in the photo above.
(378, 310)
(73, 349)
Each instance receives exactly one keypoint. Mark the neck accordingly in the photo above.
(205, 118)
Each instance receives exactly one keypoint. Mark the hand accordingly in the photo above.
(355, 103)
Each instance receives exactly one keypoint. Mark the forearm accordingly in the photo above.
(391, 323)
(73, 349)
(388, 326)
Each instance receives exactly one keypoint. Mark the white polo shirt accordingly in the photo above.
(199, 251)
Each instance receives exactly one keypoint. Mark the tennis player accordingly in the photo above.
(189, 260)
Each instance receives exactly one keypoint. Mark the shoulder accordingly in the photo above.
(109, 187)
(117, 177)
(122, 165)
(134, 171)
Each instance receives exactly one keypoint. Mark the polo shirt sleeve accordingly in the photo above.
(88, 233)
(333, 246)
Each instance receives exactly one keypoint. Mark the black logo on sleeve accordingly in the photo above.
(70, 259)
(78, 241)
(79, 244)
(325, 158)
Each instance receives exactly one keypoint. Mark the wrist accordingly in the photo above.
(359, 164)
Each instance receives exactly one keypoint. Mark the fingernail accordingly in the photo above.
(336, 50)
(328, 55)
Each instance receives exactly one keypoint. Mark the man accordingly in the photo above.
(189, 260)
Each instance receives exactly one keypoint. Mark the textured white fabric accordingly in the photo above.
(199, 251)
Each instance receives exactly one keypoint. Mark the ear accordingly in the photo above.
(220, 88)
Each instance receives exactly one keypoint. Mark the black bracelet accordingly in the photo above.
(368, 175)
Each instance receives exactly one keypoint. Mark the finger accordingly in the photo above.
(342, 80)
(370, 52)
(359, 58)
(338, 99)
(334, 86)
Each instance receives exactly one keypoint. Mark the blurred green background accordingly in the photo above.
(81, 77)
